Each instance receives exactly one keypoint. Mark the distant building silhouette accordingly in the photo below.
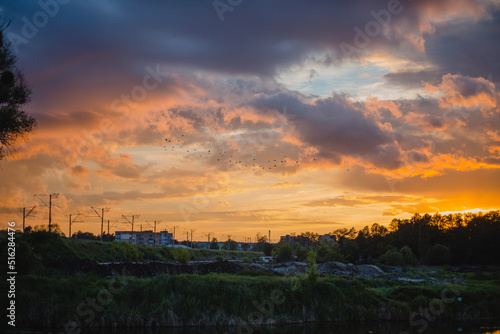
(149, 238)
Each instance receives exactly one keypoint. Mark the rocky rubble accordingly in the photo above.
(350, 270)
(290, 268)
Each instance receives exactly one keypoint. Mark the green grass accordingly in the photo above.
(186, 299)
(103, 252)
(48, 296)
(47, 250)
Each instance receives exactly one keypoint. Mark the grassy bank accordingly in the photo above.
(47, 252)
(112, 251)
(220, 299)
(53, 289)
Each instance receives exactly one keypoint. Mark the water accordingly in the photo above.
(466, 327)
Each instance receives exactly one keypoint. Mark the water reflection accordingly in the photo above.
(375, 327)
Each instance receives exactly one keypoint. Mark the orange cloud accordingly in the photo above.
(463, 91)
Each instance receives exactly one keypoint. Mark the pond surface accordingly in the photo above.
(467, 327)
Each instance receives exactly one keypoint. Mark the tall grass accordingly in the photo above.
(189, 299)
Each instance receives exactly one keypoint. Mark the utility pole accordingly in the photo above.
(154, 231)
(131, 222)
(74, 220)
(26, 215)
(101, 215)
(53, 195)
(269, 236)
(208, 235)
(192, 230)
(156, 222)
(187, 238)
(50, 211)
(177, 226)
(108, 229)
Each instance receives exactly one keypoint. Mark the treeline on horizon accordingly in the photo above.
(469, 238)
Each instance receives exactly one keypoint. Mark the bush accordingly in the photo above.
(392, 258)
(438, 255)
(312, 272)
(283, 252)
(328, 251)
(182, 255)
(300, 251)
(123, 251)
(408, 257)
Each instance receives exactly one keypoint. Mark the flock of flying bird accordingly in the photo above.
(177, 145)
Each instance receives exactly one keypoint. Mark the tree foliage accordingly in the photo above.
(15, 123)
(263, 245)
(312, 269)
(214, 244)
(283, 252)
(470, 238)
(230, 245)
(182, 255)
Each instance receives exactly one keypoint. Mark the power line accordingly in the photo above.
(74, 220)
(26, 215)
(131, 222)
(53, 195)
(100, 215)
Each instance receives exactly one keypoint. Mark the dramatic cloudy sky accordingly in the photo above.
(236, 117)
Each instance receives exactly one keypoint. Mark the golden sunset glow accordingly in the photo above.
(225, 127)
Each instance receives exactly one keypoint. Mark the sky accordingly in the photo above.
(236, 117)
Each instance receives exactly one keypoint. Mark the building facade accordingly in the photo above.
(148, 238)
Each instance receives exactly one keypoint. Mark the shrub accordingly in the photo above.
(392, 258)
(283, 251)
(328, 251)
(123, 251)
(300, 251)
(182, 255)
(408, 257)
(312, 272)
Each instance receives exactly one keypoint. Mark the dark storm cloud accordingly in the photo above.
(465, 48)
(101, 49)
(335, 126)
(257, 37)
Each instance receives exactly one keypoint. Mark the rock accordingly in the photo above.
(340, 269)
(290, 268)
(256, 266)
(352, 268)
(332, 268)
(394, 269)
(370, 271)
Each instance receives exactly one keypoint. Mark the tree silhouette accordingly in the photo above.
(15, 123)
